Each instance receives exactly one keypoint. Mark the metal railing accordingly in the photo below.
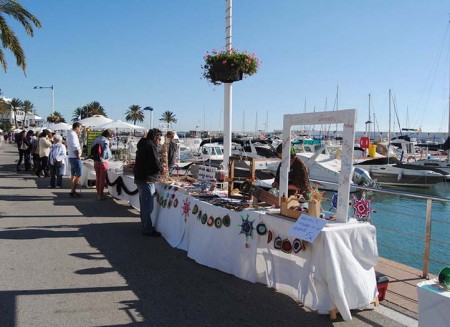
(427, 237)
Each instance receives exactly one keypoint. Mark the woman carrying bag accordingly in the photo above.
(101, 159)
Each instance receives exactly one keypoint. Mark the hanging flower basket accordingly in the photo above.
(225, 74)
(229, 66)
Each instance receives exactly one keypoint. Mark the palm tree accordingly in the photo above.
(15, 104)
(56, 118)
(4, 107)
(27, 108)
(61, 118)
(95, 109)
(9, 39)
(134, 114)
(89, 110)
(77, 114)
(168, 117)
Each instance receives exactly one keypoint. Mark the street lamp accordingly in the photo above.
(151, 115)
(53, 95)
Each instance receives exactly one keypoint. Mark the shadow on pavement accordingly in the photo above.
(173, 289)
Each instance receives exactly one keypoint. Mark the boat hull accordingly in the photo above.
(402, 179)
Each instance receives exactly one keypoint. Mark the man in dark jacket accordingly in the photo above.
(22, 146)
(147, 171)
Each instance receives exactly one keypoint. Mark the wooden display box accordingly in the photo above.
(261, 195)
(290, 202)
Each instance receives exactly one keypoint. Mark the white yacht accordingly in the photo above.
(325, 166)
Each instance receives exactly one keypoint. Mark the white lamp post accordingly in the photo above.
(53, 95)
(228, 93)
(151, 115)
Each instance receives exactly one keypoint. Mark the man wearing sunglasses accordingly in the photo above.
(147, 171)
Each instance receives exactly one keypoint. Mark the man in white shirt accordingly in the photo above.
(74, 151)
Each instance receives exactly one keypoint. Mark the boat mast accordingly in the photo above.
(304, 110)
(448, 130)
(389, 129)
(267, 122)
(394, 101)
(375, 127)
(368, 121)
(337, 105)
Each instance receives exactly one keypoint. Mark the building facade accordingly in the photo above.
(30, 119)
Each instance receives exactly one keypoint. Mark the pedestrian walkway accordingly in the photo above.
(83, 262)
(402, 293)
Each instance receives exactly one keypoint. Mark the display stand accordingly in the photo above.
(231, 176)
(347, 118)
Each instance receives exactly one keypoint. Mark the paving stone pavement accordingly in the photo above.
(83, 262)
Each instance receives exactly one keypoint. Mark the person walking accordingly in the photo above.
(44, 151)
(57, 159)
(147, 171)
(101, 161)
(34, 152)
(22, 146)
(29, 138)
(74, 152)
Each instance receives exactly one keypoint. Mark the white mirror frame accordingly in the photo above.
(347, 118)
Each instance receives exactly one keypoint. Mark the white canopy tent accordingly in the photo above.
(60, 127)
(118, 125)
(94, 121)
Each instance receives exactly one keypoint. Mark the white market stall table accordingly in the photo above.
(434, 304)
(336, 271)
(88, 172)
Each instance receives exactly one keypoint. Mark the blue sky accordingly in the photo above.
(150, 53)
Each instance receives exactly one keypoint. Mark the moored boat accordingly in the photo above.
(391, 172)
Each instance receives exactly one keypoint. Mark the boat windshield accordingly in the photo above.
(216, 151)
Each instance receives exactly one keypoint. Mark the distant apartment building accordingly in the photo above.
(30, 119)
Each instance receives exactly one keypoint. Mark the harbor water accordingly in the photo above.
(401, 224)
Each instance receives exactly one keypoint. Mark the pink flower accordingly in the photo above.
(224, 62)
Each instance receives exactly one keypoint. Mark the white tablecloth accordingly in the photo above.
(88, 171)
(335, 271)
(434, 304)
(128, 181)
